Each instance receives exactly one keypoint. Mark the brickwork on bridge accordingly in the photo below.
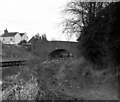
(44, 48)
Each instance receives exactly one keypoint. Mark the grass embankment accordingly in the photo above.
(13, 52)
(64, 79)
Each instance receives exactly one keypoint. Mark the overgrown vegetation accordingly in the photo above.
(73, 78)
(31, 83)
(96, 25)
(52, 80)
(100, 40)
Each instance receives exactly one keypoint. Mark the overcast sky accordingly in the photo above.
(32, 16)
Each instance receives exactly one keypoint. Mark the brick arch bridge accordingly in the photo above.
(44, 48)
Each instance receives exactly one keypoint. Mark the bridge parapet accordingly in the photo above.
(44, 48)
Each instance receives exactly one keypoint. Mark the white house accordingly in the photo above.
(24, 36)
(13, 37)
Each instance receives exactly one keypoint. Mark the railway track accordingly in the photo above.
(12, 63)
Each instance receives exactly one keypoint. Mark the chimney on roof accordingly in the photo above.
(6, 31)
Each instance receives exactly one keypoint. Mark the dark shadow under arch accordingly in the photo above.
(60, 53)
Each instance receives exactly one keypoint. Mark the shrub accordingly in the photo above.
(20, 90)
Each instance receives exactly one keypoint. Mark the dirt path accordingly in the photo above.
(94, 92)
(103, 92)
(70, 86)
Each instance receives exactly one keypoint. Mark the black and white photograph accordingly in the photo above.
(59, 50)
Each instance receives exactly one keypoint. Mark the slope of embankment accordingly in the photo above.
(13, 53)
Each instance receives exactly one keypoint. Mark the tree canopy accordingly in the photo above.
(79, 15)
(98, 29)
(42, 37)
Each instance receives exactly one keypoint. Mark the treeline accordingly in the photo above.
(99, 40)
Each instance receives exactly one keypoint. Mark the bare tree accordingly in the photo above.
(43, 37)
(37, 36)
(78, 15)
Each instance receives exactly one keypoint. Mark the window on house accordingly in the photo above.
(3, 39)
(11, 39)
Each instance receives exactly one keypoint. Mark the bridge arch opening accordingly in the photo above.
(60, 54)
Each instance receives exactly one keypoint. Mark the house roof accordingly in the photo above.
(30, 41)
(10, 34)
(21, 34)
